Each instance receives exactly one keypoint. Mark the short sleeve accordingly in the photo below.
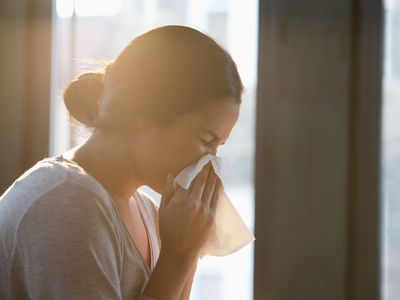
(68, 247)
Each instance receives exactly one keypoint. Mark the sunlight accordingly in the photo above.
(64, 8)
(87, 8)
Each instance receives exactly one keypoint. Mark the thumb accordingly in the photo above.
(168, 192)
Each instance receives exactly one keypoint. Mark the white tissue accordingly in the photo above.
(230, 233)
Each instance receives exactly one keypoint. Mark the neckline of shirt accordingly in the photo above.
(138, 199)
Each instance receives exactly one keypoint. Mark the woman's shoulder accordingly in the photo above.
(49, 173)
(71, 201)
(54, 186)
(57, 170)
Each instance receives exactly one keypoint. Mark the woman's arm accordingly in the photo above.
(186, 218)
(168, 278)
(68, 248)
(188, 285)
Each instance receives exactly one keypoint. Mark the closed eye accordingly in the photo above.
(206, 143)
(215, 138)
(209, 144)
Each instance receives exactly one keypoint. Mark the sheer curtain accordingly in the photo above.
(391, 153)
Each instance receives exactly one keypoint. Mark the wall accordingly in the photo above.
(25, 56)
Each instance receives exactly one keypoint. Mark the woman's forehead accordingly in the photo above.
(221, 113)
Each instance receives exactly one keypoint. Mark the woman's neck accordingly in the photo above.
(106, 158)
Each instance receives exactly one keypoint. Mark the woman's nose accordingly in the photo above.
(214, 152)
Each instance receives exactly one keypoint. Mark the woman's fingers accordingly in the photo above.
(197, 186)
(181, 193)
(181, 220)
(209, 188)
(215, 196)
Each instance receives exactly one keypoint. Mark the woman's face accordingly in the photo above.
(162, 150)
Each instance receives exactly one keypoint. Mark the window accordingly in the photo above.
(93, 29)
(391, 153)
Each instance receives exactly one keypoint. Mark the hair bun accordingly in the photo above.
(82, 95)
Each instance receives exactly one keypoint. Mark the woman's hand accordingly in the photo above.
(187, 216)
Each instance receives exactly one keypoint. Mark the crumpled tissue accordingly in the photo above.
(229, 233)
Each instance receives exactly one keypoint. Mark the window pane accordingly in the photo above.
(391, 153)
(92, 29)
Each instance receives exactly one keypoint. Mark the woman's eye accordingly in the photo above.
(206, 143)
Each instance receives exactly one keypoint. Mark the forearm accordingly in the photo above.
(168, 278)
(188, 284)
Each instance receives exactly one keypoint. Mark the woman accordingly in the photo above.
(75, 226)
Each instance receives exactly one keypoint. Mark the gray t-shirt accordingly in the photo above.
(61, 237)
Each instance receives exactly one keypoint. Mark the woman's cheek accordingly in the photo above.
(201, 150)
(185, 158)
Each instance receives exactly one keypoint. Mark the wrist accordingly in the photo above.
(169, 276)
(177, 260)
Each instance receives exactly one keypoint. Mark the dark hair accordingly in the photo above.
(162, 73)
